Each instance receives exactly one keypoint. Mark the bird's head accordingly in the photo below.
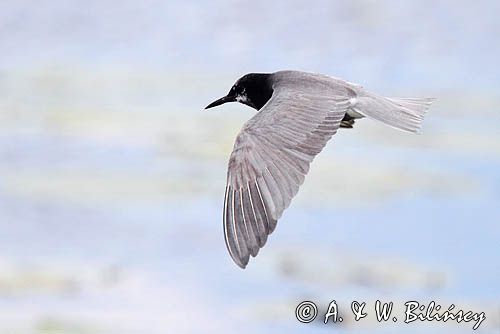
(253, 89)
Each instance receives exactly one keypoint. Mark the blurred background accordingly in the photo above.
(112, 175)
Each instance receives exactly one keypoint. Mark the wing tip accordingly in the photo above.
(240, 262)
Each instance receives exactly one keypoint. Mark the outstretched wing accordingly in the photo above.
(270, 159)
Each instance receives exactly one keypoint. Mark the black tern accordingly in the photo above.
(298, 113)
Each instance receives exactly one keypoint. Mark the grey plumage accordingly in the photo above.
(274, 149)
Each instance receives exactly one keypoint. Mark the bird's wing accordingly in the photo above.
(270, 159)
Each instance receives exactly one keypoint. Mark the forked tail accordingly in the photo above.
(401, 113)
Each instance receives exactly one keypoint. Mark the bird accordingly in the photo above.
(297, 114)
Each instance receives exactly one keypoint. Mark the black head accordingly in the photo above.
(253, 89)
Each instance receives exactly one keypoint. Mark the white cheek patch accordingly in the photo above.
(241, 98)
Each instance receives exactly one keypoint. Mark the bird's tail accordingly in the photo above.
(401, 113)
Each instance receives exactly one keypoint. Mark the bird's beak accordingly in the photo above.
(220, 101)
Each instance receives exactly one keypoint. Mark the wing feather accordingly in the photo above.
(240, 227)
(250, 223)
(271, 157)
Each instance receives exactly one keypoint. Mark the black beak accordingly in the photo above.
(220, 101)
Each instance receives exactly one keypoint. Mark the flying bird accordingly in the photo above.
(298, 113)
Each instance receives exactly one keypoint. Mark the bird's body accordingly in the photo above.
(298, 113)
